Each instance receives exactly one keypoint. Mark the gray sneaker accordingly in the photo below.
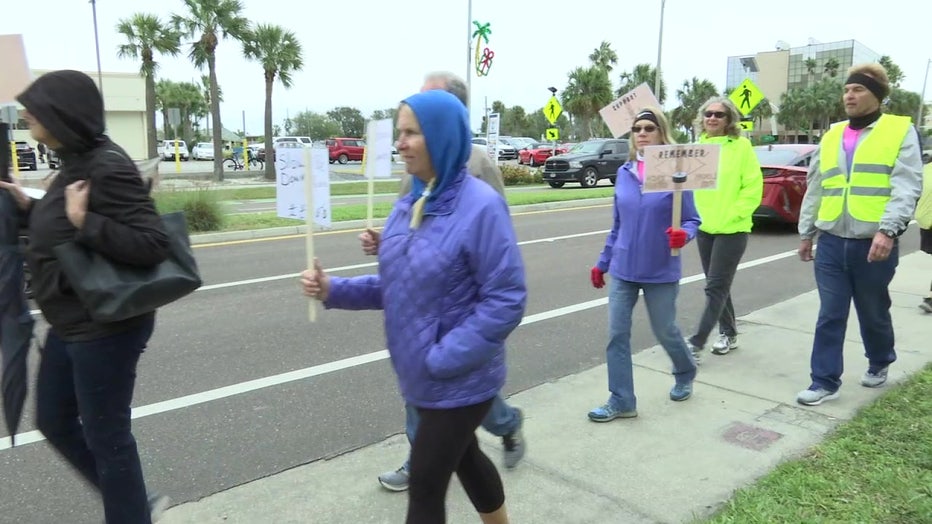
(874, 378)
(157, 505)
(695, 351)
(815, 396)
(724, 344)
(514, 444)
(396, 480)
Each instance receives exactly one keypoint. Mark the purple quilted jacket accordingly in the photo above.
(452, 291)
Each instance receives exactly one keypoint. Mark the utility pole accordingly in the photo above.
(100, 76)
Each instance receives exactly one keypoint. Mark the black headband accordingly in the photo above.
(647, 115)
(870, 83)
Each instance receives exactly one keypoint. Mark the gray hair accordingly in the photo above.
(451, 84)
(732, 128)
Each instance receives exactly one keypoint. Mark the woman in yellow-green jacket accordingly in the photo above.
(726, 213)
(924, 218)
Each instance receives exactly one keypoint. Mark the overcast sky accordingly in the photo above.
(370, 54)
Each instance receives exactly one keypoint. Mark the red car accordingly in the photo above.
(343, 150)
(784, 167)
(537, 154)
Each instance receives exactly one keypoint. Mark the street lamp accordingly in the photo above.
(659, 48)
(100, 77)
(922, 98)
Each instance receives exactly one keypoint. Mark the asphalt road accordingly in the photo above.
(249, 326)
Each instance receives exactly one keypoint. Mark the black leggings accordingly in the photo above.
(446, 442)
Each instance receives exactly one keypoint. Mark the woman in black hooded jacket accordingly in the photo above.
(88, 369)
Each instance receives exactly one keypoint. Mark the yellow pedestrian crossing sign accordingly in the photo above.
(746, 96)
(552, 110)
(553, 133)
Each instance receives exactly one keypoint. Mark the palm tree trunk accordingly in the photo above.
(215, 111)
(152, 136)
(269, 152)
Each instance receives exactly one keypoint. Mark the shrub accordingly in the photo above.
(517, 175)
(202, 208)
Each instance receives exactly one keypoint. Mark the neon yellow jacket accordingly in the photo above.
(924, 208)
(729, 207)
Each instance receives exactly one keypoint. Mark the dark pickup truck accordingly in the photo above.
(587, 163)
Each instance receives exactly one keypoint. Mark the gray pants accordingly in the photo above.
(720, 255)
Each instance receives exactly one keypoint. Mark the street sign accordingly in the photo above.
(552, 110)
(746, 125)
(10, 115)
(174, 116)
(553, 133)
(746, 96)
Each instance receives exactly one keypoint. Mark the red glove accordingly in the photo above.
(597, 277)
(677, 237)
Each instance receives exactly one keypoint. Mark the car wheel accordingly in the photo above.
(590, 177)
(343, 159)
(613, 180)
(556, 185)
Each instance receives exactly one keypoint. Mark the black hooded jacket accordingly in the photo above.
(121, 221)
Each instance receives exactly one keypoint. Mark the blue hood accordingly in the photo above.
(444, 123)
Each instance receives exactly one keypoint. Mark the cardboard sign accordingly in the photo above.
(619, 115)
(15, 75)
(296, 167)
(698, 162)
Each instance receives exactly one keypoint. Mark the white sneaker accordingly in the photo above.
(815, 396)
(724, 344)
(696, 352)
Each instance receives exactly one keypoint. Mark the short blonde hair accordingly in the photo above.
(663, 126)
(731, 129)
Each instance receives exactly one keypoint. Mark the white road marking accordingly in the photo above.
(186, 401)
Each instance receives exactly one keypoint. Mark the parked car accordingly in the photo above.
(203, 151)
(26, 156)
(505, 151)
(53, 159)
(587, 163)
(537, 154)
(306, 140)
(168, 150)
(343, 150)
(784, 167)
(518, 142)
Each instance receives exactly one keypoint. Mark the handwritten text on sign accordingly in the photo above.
(697, 162)
(291, 173)
(619, 115)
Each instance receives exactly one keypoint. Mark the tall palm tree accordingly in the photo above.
(604, 56)
(588, 91)
(210, 21)
(693, 94)
(642, 74)
(831, 67)
(811, 66)
(146, 35)
(894, 73)
(279, 52)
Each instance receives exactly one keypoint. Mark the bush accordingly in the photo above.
(202, 208)
(517, 175)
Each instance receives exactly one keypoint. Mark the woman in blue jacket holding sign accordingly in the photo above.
(637, 256)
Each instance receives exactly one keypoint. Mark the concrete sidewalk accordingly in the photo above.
(674, 463)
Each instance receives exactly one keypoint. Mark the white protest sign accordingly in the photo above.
(492, 135)
(695, 167)
(289, 181)
(320, 175)
(619, 115)
(379, 148)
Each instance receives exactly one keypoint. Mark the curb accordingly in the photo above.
(273, 232)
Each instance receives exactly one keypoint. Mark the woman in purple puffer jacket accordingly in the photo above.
(451, 283)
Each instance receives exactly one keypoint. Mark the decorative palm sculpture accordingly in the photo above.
(483, 59)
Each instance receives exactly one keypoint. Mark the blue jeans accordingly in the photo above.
(661, 309)
(501, 420)
(83, 398)
(843, 274)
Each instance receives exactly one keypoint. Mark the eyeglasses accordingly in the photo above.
(716, 114)
(647, 129)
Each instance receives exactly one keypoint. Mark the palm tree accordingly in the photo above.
(279, 52)
(831, 67)
(205, 92)
(588, 91)
(146, 35)
(166, 96)
(694, 93)
(604, 56)
(642, 74)
(811, 66)
(210, 21)
(894, 73)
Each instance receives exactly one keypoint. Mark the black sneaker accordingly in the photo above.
(514, 444)
(926, 305)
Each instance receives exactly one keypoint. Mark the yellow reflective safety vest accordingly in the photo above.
(866, 190)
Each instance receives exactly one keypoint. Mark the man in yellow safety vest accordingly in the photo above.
(864, 182)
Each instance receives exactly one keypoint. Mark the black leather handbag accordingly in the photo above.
(112, 291)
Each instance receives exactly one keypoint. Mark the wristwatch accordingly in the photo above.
(888, 233)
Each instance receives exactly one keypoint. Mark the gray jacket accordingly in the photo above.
(905, 184)
(479, 165)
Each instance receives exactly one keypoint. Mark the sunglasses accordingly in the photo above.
(716, 114)
(647, 129)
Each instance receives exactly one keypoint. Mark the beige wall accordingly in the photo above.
(771, 79)
(125, 111)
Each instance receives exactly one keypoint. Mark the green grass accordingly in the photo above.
(259, 193)
(876, 468)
